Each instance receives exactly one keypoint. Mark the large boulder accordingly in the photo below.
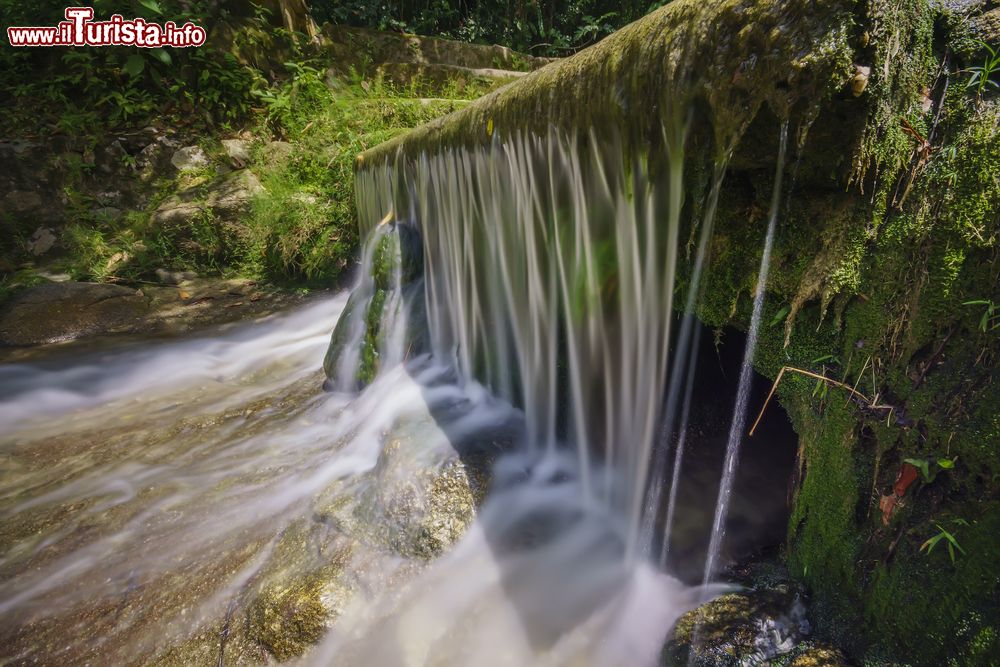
(227, 198)
(55, 312)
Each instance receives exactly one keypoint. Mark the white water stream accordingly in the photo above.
(150, 492)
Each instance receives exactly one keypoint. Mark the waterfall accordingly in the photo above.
(550, 270)
(547, 248)
(683, 367)
(746, 370)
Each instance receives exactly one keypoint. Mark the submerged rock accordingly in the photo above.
(288, 616)
(304, 588)
(421, 500)
(55, 312)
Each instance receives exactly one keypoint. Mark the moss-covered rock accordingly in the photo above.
(747, 627)
(390, 295)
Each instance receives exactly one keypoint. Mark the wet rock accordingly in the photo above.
(359, 329)
(55, 312)
(743, 628)
(42, 241)
(218, 644)
(342, 336)
(189, 158)
(304, 587)
(422, 497)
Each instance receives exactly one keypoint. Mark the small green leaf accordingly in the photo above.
(134, 65)
(923, 466)
(947, 464)
(151, 5)
(977, 302)
(162, 55)
(931, 543)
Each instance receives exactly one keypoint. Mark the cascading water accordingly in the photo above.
(157, 492)
(584, 269)
(549, 277)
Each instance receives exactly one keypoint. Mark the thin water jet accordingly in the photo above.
(743, 386)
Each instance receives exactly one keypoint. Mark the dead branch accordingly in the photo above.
(852, 393)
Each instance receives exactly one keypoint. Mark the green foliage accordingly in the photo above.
(62, 88)
(553, 27)
(929, 468)
(982, 75)
(943, 534)
(991, 314)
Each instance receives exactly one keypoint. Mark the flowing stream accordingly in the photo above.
(490, 497)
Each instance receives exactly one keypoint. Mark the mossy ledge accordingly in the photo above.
(882, 241)
(733, 55)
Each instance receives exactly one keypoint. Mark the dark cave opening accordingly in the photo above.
(759, 509)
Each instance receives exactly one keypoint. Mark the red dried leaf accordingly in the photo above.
(907, 476)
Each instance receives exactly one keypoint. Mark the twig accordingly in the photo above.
(853, 392)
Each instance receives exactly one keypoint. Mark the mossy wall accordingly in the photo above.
(889, 226)
(882, 241)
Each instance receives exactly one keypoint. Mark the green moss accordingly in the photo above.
(774, 54)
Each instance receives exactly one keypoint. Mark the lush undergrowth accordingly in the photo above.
(299, 230)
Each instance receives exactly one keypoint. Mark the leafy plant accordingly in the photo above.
(595, 28)
(929, 468)
(950, 540)
(982, 74)
(991, 314)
